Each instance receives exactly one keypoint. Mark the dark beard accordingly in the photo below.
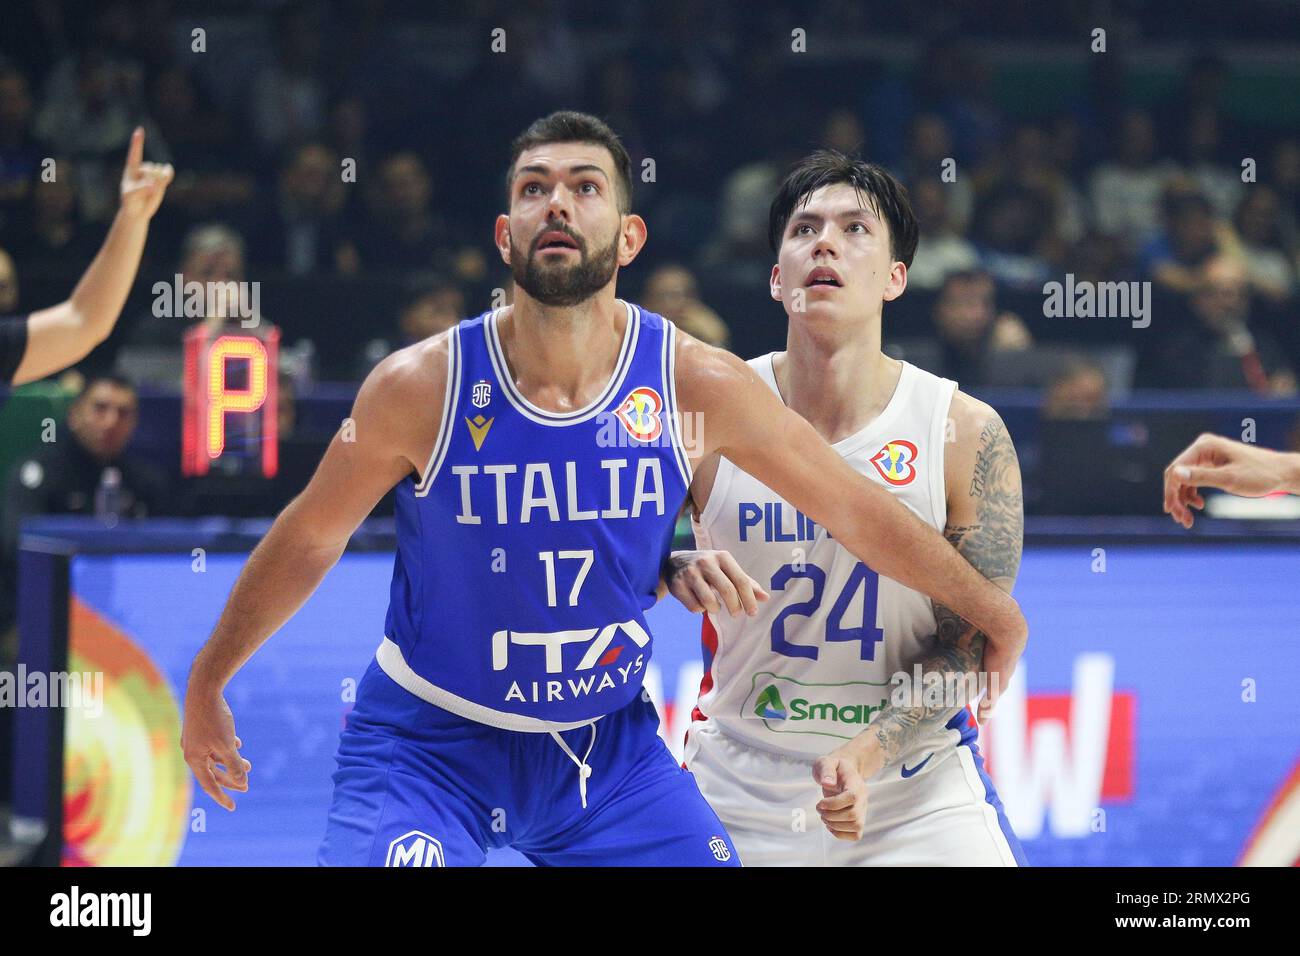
(564, 286)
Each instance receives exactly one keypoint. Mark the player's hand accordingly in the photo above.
(143, 184)
(1216, 462)
(1001, 655)
(211, 748)
(843, 806)
(711, 580)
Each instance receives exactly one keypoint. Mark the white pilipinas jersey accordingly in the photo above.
(813, 668)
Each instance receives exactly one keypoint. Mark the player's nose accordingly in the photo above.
(560, 204)
(826, 244)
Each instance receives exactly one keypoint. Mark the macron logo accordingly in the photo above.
(103, 909)
(415, 849)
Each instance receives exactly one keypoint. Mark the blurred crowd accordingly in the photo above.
(348, 157)
(328, 142)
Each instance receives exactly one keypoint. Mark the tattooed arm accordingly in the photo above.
(986, 526)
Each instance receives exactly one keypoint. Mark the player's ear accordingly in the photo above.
(775, 282)
(897, 282)
(501, 233)
(632, 239)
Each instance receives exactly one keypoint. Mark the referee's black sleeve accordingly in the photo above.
(13, 343)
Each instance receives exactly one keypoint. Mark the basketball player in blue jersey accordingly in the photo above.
(540, 464)
(800, 713)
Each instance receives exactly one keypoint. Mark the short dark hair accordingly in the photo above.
(106, 378)
(881, 188)
(568, 126)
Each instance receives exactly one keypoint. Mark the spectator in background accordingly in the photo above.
(212, 255)
(8, 284)
(91, 106)
(201, 138)
(349, 127)
(87, 469)
(20, 153)
(1270, 270)
(843, 131)
(941, 250)
(1099, 257)
(1013, 235)
(954, 84)
(1191, 235)
(739, 253)
(929, 148)
(288, 95)
(1125, 191)
(969, 327)
(50, 233)
(1286, 180)
(302, 232)
(1028, 162)
(671, 292)
(401, 231)
(433, 304)
(1203, 161)
(1067, 152)
(1076, 393)
(1221, 346)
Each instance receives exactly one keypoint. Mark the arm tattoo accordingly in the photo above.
(993, 545)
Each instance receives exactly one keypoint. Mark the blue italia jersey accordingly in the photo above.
(530, 548)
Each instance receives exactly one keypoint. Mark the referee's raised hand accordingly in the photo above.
(143, 184)
(50, 340)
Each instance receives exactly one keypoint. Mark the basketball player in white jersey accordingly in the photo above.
(804, 741)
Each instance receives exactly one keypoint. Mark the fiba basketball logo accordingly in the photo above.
(482, 393)
(721, 852)
(415, 849)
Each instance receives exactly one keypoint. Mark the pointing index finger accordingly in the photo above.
(135, 152)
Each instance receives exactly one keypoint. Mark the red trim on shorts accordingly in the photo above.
(709, 641)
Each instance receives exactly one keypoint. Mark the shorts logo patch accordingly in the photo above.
(896, 462)
(721, 852)
(415, 848)
(639, 414)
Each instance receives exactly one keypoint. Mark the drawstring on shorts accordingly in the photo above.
(584, 768)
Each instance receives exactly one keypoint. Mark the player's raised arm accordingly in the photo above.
(65, 333)
(390, 434)
(746, 422)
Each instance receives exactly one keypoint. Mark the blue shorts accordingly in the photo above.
(419, 786)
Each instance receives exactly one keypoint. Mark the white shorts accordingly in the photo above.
(945, 814)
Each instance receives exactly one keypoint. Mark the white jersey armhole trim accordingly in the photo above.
(449, 400)
(938, 439)
(723, 477)
(672, 412)
(721, 489)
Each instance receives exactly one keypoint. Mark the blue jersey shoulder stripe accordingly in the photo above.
(672, 414)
